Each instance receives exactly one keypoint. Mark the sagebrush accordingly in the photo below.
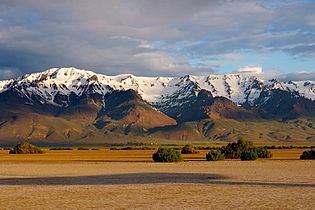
(167, 155)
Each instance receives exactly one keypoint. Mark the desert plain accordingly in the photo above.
(106, 179)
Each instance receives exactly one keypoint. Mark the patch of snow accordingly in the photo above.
(4, 85)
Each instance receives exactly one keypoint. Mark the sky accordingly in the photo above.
(159, 38)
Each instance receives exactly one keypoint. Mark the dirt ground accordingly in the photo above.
(101, 182)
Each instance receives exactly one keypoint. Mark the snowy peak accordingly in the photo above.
(235, 87)
(303, 88)
(159, 91)
(56, 82)
(4, 85)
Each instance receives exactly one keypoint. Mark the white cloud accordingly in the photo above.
(250, 69)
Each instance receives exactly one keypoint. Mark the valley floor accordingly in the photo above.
(88, 180)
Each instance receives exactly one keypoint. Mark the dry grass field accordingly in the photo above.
(109, 179)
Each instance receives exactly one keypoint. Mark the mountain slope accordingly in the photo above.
(22, 123)
(204, 106)
(126, 112)
(88, 119)
(285, 105)
(264, 131)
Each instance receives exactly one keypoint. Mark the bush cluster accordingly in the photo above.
(25, 148)
(214, 155)
(310, 154)
(167, 155)
(235, 149)
(244, 150)
(189, 149)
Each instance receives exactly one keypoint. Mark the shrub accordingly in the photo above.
(214, 155)
(262, 152)
(83, 148)
(25, 148)
(189, 149)
(235, 149)
(249, 155)
(310, 154)
(166, 155)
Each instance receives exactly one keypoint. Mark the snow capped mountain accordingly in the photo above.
(303, 88)
(235, 87)
(66, 81)
(162, 92)
(71, 104)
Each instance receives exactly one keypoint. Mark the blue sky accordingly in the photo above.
(271, 62)
(166, 37)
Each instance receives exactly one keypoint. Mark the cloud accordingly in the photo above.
(250, 70)
(148, 37)
(9, 73)
(297, 76)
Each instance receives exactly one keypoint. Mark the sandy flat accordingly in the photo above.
(262, 184)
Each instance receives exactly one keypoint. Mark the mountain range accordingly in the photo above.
(72, 106)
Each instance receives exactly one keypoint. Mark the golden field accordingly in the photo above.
(128, 179)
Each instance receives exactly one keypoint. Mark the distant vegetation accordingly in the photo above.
(241, 149)
(310, 154)
(129, 143)
(25, 148)
(61, 148)
(153, 146)
(69, 148)
(83, 148)
(167, 155)
(262, 151)
(133, 148)
(289, 147)
(189, 149)
(214, 155)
